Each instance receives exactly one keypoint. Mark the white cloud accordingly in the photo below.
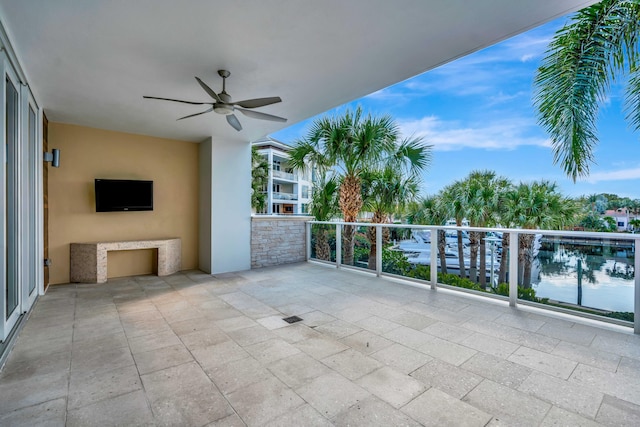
(615, 175)
(503, 134)
(527, 57)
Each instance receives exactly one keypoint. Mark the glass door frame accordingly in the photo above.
(31, 178)
(21, 242)
(8, 194)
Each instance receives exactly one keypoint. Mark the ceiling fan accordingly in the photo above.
(222, 104)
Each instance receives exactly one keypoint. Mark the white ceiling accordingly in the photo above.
(89, 62)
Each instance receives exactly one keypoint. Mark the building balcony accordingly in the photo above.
(139, 350)
(284, 196)
(285, 175)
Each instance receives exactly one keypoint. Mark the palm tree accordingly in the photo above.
(259, 178)
(483, 192)
(430, 210)
(324, 207)
(538, 205)
(453, 198)
(385, 192)
(582, 60)
(352, 143)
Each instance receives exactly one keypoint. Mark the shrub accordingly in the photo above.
(527, 294)
(395, 262)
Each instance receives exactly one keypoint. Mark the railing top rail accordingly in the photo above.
(592, 234)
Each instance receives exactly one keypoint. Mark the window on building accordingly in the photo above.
(305, 191)
(304, 208)
(620, 224)
(276, 165)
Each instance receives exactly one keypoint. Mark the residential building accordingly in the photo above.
(288, 192)
(74, 75)
(622, 217)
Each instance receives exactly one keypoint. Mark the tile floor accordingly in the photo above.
(195, 350)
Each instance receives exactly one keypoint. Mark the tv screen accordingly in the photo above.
(114, 195)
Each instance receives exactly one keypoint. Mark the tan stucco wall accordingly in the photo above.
(86, 154)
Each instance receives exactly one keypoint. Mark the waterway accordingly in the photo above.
(605, 270)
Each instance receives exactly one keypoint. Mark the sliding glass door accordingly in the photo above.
(20, 201)
(10, 178)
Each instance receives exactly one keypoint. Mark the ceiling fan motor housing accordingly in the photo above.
(222, 108)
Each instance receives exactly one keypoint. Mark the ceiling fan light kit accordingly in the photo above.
(223, 104)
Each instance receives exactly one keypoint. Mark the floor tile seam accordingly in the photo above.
(489, 354)
(400, 408)
(563, 340)
(513, 340)
(6, 414)
(142, 386)
(73, 333)
(455, 366)
(309, 381)
(336, 371)
(461, 398)
(493, 415)
(549, 354)
(235, 411)
(602, 403)
(424, 331)
(111, 397)
(68, 409)
(554, 404)
(333, 419)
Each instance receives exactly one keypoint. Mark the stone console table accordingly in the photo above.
(89, 260)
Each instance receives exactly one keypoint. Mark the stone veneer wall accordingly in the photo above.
(277, 240)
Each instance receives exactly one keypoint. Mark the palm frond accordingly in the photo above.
(632, 99)
(582, 60)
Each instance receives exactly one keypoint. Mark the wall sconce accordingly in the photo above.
(53, 157)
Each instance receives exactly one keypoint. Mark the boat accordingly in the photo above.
(417, 250)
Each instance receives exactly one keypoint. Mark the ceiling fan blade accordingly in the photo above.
(176, 100)
(208, 110)
(258, 102)
(261, 116)
(234, 122)
(209, 90)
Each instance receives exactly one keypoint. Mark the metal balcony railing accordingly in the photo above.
(285, 196)
(285, 175)
(589, 274)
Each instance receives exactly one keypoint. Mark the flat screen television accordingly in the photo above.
(115, 195)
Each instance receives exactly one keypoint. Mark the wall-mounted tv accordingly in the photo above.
(114, 195)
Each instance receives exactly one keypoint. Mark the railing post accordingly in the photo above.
(636, 279)
(308, 242)
(513, 269)
(378, 250)
(338, 244)
(433, 233)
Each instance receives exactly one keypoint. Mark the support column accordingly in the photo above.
(225, 206)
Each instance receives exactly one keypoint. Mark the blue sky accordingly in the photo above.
(477, 112)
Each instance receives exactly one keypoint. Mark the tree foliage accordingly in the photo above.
(259, 178)
(583, 59)
(350, 144)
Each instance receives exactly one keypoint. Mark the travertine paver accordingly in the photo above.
(561, 393)
(373, 412)
(448, 378)
(332, 393)
(436, 408)
(507, 405)
(395, 388)
(195, 349)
